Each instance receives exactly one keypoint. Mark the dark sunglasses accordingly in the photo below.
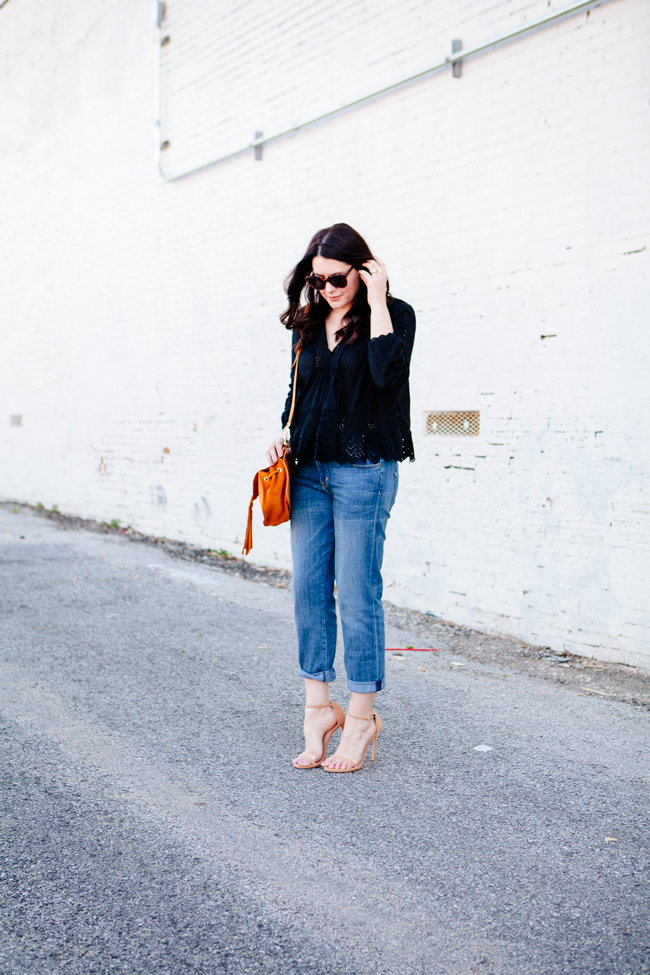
(336, 280)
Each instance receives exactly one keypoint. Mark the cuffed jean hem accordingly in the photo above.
(326, 676)
(367, 686)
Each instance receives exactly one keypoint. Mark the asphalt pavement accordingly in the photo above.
(152, 821)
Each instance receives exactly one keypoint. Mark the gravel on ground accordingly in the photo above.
(584, 675)
(153, 824)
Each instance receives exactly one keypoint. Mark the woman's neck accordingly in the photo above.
(334, 318)
(333, 323)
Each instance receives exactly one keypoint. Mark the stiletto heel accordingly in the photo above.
(340, 722)
(355, 768)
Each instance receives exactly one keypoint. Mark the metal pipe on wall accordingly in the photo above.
(452, 61)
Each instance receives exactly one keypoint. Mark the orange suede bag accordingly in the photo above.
(272, 485)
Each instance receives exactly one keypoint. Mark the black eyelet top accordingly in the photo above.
(353, 403)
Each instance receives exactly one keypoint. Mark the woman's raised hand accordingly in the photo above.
(373, 274)
(276, 450)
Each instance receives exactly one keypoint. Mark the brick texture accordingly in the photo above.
(140, 334)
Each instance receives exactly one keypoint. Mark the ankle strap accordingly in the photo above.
(359, 718)
(317, 707)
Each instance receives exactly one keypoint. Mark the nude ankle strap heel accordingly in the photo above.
(340, 721)
(355, 767)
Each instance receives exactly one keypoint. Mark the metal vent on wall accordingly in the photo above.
(452, 423)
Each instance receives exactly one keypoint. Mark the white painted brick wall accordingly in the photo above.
(139, 316)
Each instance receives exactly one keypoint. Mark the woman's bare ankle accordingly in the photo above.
(361, 705)
(317, 693)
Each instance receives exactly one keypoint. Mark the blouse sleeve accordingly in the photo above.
(389, 356)
(287, 404)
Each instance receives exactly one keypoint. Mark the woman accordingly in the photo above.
(350, 428)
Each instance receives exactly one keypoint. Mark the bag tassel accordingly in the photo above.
(248, 541)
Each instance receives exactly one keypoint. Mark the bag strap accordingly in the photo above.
(248, 540)
(286, 433)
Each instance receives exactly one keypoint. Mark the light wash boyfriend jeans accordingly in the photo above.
(338, 527)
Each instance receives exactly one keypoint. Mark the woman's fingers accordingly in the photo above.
(275, 451)
(373, 268)
(373, 275)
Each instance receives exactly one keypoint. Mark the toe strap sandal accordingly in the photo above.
(340, 721)
(355, 767)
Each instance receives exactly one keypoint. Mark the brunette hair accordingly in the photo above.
(307, 308)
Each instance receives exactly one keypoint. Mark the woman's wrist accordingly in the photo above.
(380, 320)
(377, 302)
